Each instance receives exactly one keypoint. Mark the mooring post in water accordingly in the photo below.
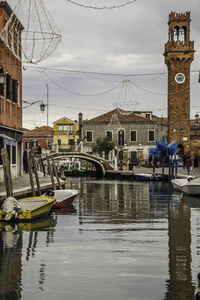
(36, 172)
(31, 174)
(7, 172)
(51, 173)
(55, 171)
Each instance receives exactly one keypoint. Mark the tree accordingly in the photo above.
(103, 145)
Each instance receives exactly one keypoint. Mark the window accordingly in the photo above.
(15, 89)
(109, 134)
(66, 128)
(8, 86)
(89, 136)
(59, 142)
(13, 155)
(151, 136)
(27, 145)
(133, 135)
(34, 144)
(121, 138)
(147, 116)
(48, 144)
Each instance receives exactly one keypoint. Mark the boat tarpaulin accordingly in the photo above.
(7, 140)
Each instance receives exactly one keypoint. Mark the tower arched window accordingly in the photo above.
(176, 33)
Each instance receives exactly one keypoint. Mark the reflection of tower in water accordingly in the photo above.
(179, 285)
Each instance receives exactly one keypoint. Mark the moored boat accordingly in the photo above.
(63, 197)
(26, 209)
(149, 177)
(178, 183)
(190, 185)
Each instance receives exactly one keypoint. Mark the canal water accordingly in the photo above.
(120, 240)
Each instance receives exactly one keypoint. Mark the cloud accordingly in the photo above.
(108, 44)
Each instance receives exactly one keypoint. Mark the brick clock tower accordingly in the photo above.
(179, 53)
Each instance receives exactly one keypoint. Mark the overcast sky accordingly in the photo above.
(101, 48)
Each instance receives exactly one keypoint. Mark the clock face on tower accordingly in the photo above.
(180, 78)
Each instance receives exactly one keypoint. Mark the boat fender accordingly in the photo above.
(11, 208)
(50, 193)
(154, 176)
(197, 295)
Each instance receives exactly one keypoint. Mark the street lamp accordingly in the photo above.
(2, 76)
(197, 118)
(27, 104)
(2, 82)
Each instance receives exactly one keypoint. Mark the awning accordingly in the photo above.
(7, 140)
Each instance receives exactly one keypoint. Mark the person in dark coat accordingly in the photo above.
(188, 164)
(25, 161)
(196, 161)
(184, 160)
(39, 149)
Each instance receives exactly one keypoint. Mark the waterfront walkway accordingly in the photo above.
(22, 186)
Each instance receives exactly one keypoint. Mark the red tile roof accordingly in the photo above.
(122, 117)
(44, 130)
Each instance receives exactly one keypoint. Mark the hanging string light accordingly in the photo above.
(102, 7)
(114, 124)
(40, 36)
(126, 103)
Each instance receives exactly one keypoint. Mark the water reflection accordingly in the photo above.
(11, 245)
(135, 236)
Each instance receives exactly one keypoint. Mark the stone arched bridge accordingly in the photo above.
(101, 165)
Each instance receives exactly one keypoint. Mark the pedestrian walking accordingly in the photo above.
(196, 161)
(39, 149)
(25, 161)
(188, 164)
(184, 161)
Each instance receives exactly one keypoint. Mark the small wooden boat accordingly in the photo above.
(26, 209)
(63, 197)
(148, 177)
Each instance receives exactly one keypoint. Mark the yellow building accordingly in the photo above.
(65, 134)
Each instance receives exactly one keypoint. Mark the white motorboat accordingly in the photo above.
(190, 185)
(178, 183)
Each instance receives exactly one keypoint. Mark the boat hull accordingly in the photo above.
(63, 198)
(191, 189)
(190, 186)
(32, 208)
(147, 177)
(178, 183)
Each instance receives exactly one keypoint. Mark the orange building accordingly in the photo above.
(11, 134)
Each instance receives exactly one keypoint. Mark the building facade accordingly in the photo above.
(65, 134)
(11, 133)
(42, 136)
(132, 133)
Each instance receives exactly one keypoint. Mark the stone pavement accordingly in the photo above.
(180, 172)
(22, 186)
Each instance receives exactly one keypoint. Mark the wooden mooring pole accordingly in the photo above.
(7, 172)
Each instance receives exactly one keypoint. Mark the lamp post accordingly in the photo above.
(121, 153)
(197, 118)
(27, 104)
